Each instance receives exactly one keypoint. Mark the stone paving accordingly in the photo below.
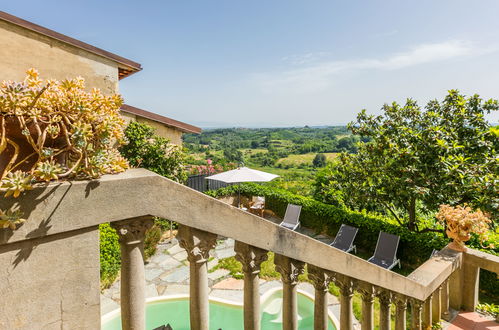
(167, 273)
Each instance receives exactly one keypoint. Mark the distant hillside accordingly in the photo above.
(254, 138)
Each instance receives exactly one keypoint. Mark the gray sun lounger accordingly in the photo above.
(385, 254)
(344, 238)
(291, 217)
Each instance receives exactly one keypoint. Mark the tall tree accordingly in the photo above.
(417, 159)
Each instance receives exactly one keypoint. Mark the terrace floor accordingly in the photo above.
(473, 321)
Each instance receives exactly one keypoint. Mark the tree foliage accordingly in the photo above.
(153, 152)
(417, 159)
(319, 160)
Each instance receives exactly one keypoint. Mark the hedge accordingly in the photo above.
(414, 248)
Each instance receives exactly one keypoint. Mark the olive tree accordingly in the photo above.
(416, 159)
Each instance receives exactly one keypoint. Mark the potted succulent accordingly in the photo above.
(53, 130)
(460, 222)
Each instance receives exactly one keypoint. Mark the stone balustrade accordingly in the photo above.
(62, 220)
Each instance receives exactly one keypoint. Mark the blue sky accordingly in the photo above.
(285, 62)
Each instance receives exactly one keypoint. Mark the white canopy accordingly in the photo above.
(243, 174)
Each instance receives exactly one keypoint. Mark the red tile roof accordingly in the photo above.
(161, 119)
(126, 66)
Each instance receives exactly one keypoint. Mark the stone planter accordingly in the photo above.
(459, 240)
(26, 153)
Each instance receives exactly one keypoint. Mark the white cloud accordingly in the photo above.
(301, 59)
(318, 76)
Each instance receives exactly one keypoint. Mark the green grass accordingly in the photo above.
(267, 268)
(296, 160)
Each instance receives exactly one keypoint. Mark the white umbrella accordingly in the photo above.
(243, 174)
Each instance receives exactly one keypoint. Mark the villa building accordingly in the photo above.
(25, 45)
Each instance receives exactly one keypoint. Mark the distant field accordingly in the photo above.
(252, 151)
(294, 160)
(202, 155)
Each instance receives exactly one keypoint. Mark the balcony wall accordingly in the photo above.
(50, 265)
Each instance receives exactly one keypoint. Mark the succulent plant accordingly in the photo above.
(52, 130)
(15, 183)
(48, 171)
(10, 219)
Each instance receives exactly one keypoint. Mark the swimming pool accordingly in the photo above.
(223, 314)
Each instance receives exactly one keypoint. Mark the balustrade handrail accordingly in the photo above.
(482, 260)
(62, 207)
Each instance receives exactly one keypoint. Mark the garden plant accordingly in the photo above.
(54, 130)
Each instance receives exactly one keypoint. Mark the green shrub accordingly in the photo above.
(110, 254)
(414, 248)
(147, 150)
(153, 236)
(110, 259)
(324, 218)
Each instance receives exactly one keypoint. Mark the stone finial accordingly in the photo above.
(196, 242)
(320, 277)
(289, 268)
(132, 231)
(250, 257)
(345, 284)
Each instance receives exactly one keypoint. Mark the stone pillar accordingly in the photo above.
(427, 315)
(400, 314)
(416, 308)
(320, 279)
(471, 276)
(251, 258)
(385, 299)
(367, 292)
(436, 308)
(131, 235)
(289, 269)
(445, 300)
(198, 244)
(345, 284)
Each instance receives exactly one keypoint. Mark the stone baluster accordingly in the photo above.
(345, 284)
(198, 244)
(131, 235)
(320, 279)
(445, 300)
(289, 269)
(416, 308)
(436, 308)
(251, 258)
(367, 292)
(427, 314)
(385, 299)
(400, 311)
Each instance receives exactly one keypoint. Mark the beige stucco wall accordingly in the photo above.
(172, 134)
(51, 282)
(21, 49)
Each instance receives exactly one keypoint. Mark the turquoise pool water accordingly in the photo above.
(224, 315)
